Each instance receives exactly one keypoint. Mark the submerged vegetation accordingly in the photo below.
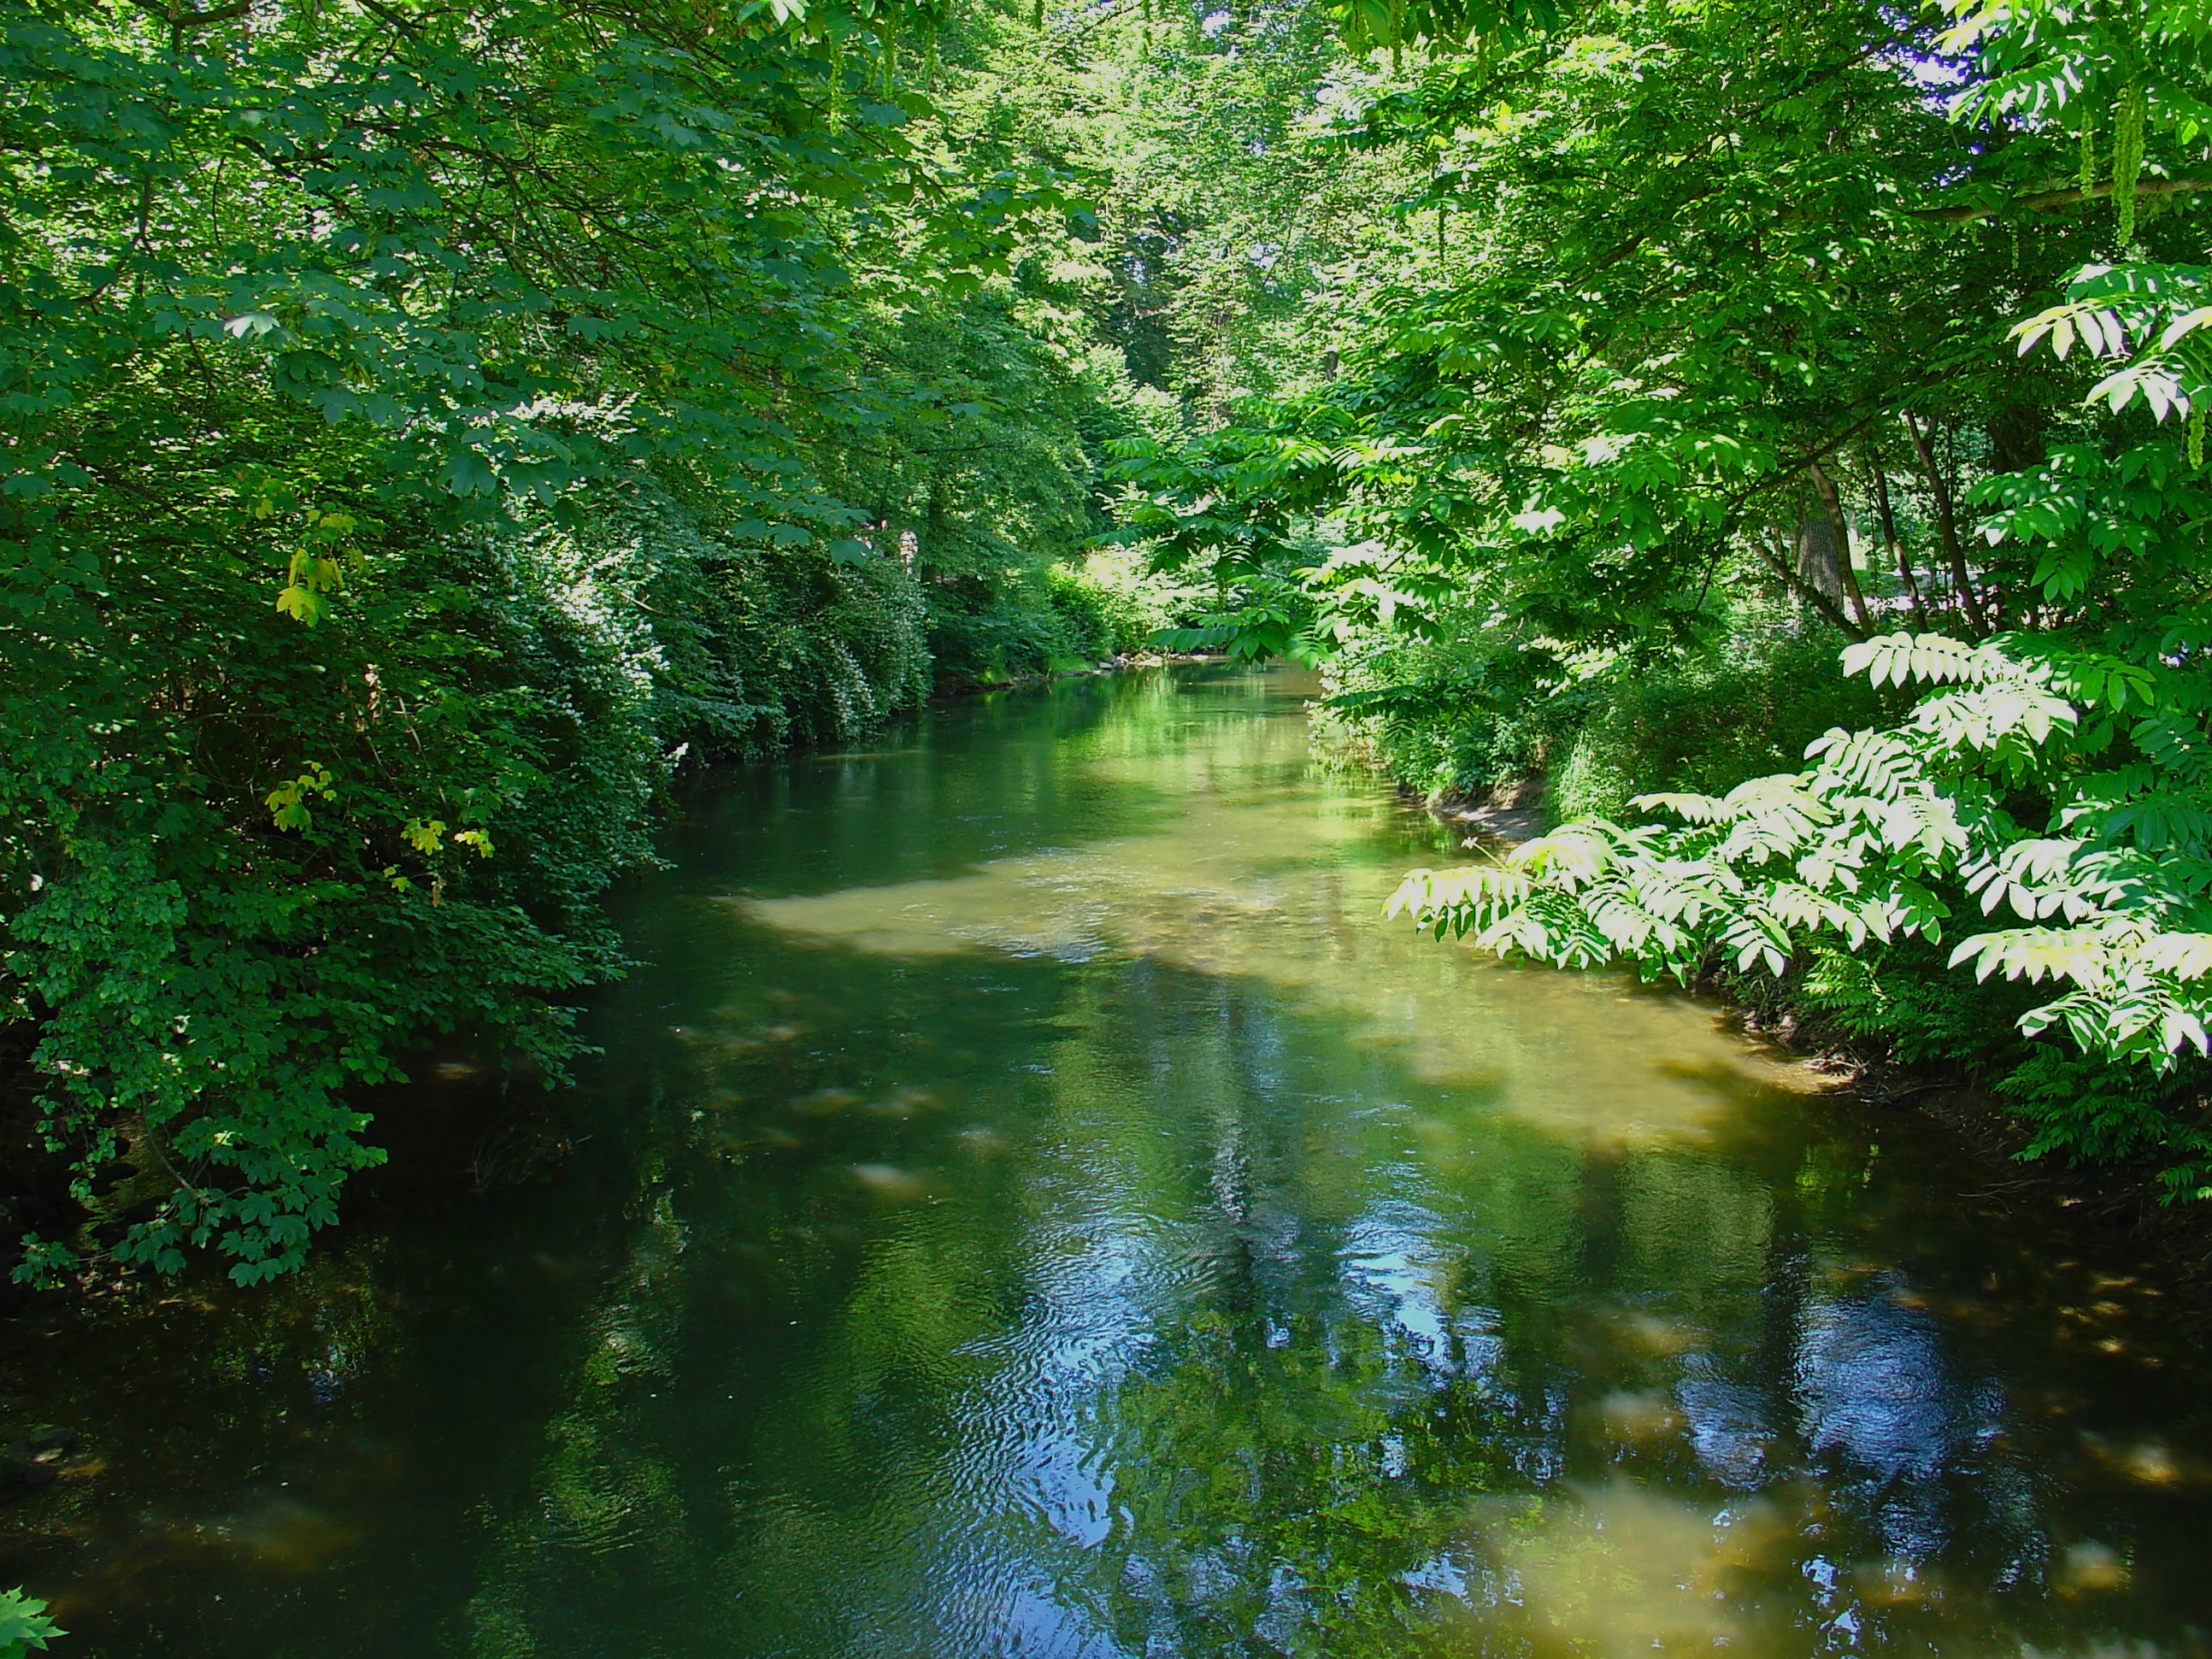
(425, 428)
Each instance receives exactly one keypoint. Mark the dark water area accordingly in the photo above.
(1032, 1203)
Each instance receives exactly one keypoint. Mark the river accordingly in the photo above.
(1032, 1203)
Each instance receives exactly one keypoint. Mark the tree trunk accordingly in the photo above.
(1842, 535)
(1813, 555)
(1895, 542)
(1946, 527)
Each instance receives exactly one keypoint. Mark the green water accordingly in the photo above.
(1032, 1204)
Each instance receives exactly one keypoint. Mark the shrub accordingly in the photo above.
(247, 862)
(1475, 710)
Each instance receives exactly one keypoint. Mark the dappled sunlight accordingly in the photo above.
(1616, 1570)
(1257, 874)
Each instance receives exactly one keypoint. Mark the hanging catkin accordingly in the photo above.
(2196, 435)
(2086, 172)
(2127, 158)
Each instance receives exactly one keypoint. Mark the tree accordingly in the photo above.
(414, 421)
(1730, 280)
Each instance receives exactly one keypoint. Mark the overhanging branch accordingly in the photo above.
(2045, 201)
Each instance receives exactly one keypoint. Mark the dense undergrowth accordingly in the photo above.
(1471, 712)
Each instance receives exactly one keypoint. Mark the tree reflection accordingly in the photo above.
(1158, 1300)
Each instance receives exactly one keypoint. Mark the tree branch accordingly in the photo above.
(2043, 200)
(1946, 525)
(182, 21)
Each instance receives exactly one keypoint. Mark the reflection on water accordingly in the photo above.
(1033, 1204)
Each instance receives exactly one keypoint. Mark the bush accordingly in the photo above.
(1110, 607)
(1703, 722)
(247, 862)
(1474, 711)
(1047, 621)
(1459, 715)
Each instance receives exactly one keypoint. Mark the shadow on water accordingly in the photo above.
(983, 778)
(1092, 1230)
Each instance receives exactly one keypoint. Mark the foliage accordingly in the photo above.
(1722, 312)
(422, 430)
(24, 1626)
(2064, 788)
(1467, 713)
(1536, 409)
(425, 429)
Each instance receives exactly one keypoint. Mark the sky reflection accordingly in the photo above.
(1096, 1232)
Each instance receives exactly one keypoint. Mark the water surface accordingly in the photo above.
(1032, 1204)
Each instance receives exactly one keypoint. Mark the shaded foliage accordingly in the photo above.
(1735, 308)
(422, 429)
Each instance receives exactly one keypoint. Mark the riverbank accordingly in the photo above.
(36, 1182)
(952, 686)
(2133, 1199)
